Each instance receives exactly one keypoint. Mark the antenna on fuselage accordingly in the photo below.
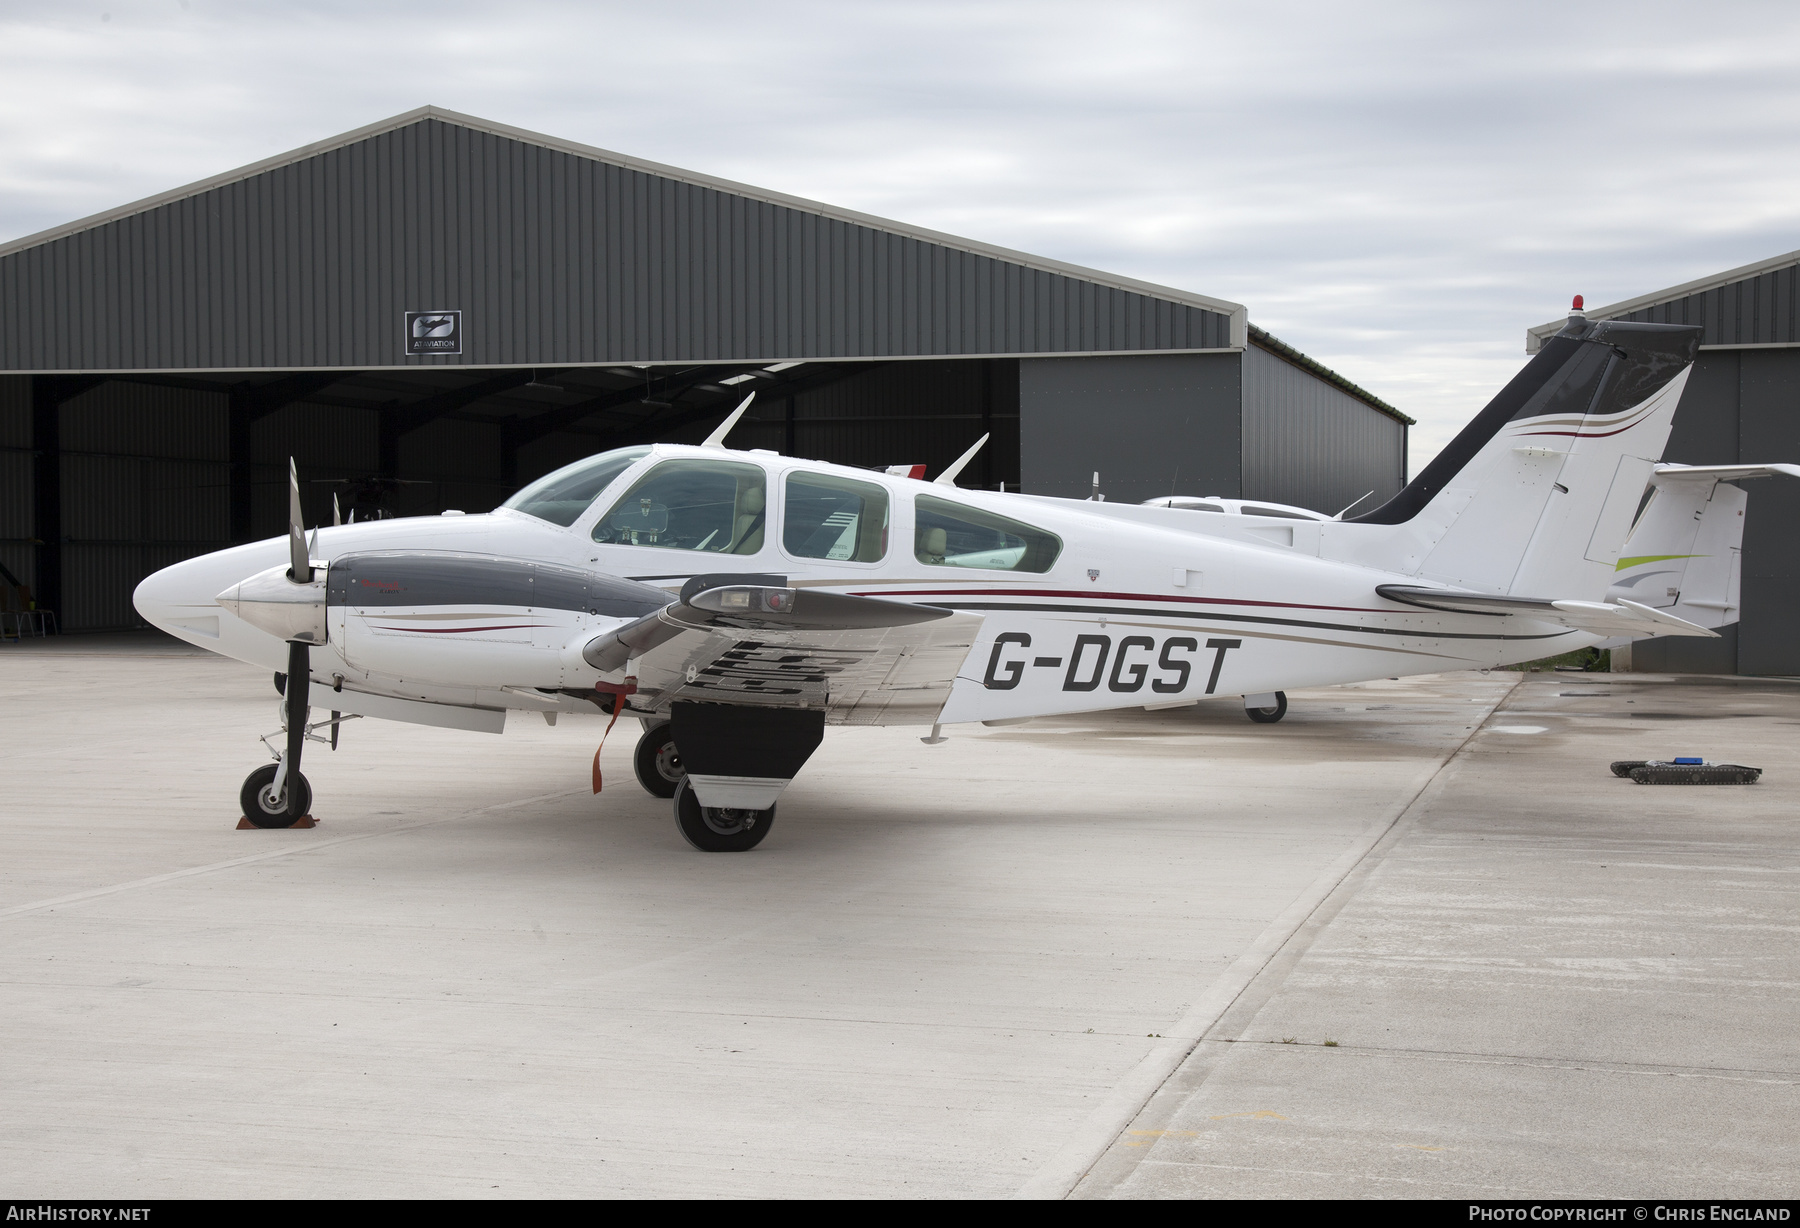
(717, 438)
(948, 476)
(1353, 503)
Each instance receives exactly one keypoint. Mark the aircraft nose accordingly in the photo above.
(176, 600)
(179, 599)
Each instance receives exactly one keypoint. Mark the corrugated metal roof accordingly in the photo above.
(1753, 305)
(554, 253)
(1288, 353)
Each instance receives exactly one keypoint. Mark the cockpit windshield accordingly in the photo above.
(562, 496)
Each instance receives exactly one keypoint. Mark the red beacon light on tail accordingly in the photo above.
(1575, 307)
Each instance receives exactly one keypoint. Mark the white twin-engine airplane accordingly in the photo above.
(739, 602)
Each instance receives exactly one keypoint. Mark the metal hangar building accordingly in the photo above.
(440, 309)
(1741, 406)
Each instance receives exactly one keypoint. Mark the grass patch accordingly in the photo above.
(1588, 660)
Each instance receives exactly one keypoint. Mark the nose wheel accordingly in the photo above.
(264, 807)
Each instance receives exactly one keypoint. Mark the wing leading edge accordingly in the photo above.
(750, 639)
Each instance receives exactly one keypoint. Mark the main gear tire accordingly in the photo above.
(1697, 774)
(1624, 767)
(717, 829)
(260, 804)
(1268, 716)
(658, 763)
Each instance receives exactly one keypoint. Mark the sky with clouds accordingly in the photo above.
(1398, 189)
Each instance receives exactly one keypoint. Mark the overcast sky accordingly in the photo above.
(1397, 189)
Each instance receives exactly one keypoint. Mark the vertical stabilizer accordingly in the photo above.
(1537, 494)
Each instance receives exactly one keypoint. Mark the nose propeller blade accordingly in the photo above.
(299, 674)
(297, 556)
(299, 681)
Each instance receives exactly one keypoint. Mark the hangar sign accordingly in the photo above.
(434, 332)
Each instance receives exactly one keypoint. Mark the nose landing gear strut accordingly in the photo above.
(276, 794)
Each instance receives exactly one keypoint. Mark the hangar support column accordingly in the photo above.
(48, 392)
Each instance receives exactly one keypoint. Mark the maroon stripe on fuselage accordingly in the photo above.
(465, 630)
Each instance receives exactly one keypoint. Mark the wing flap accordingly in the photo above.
(865, 676)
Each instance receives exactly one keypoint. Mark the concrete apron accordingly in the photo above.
(943, 973)
(1543, 982)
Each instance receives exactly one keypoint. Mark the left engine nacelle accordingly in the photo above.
(460, 620)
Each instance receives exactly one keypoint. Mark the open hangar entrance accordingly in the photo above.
(432, 311)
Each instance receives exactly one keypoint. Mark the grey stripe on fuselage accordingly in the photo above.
(410, 578)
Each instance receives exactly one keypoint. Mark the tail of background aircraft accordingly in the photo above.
(1536, 496)
(1683, 553)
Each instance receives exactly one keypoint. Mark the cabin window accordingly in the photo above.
(950, 534)
(562, 496)
(835, 518)
(718, 507)
(1251, 509)
(1193, 505)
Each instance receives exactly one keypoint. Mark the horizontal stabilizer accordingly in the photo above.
(1724, 473)
(1597, 617)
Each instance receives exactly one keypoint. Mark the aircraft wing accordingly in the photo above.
(750, 639)
(1598, 617)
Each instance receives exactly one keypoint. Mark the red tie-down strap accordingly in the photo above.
(618, 690)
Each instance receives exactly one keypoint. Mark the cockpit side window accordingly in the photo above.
(828, 517)
(1194, 505)
(950, 534)
(719, 507)
(562, 496)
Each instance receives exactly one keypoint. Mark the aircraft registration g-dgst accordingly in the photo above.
(737, 603)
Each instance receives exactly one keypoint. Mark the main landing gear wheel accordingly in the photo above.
(1268, 716)
(263, 807)
(717, 829)
(658, 763)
